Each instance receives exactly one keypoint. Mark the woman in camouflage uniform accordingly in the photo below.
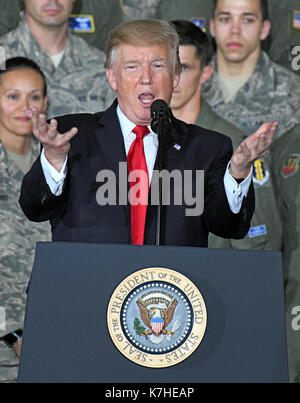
(22, 85)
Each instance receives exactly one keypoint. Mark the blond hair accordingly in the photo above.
(143, 33)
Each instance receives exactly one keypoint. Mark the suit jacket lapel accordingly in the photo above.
(110, 139)
(111, 142)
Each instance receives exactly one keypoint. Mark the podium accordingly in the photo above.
(66, 337)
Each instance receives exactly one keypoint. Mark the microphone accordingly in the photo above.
(160, 115)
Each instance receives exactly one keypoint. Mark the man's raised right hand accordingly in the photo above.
(56, 145)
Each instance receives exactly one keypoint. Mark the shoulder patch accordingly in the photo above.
(260, 173)
(290, 166)
(257, 231)
(296, 19)
(82, 23)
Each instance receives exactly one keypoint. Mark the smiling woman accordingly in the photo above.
(22, 85)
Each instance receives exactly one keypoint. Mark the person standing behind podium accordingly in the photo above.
(142, 65)
(22, 85)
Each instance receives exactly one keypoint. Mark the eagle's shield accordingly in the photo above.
(157, 325)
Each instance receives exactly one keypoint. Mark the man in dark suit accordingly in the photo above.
(142, 66)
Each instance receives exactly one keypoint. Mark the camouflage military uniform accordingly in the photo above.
(18, 237)
(284, 16)
(271, 93)
(92, 20)
(79, 84)
(286, 173)
(197, 11)
(271, 239)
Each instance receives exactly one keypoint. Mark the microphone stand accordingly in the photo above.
(160, 217)
(160, 124)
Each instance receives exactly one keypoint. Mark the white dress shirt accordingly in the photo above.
(235, 192)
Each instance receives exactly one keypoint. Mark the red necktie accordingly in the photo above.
(139, 188)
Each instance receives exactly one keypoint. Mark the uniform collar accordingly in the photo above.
(45, 61)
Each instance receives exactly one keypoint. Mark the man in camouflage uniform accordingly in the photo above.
(187, 103)
(267, 90)
(92, 20)
(260, 95)
(263, 91)
(18, 237)
(283, 43)
(286, 172)
(78, 82)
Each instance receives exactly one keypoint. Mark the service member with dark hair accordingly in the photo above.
(22, 85)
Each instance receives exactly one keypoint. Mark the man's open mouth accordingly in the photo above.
(146, 98)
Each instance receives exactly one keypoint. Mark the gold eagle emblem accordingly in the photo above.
(157, 317)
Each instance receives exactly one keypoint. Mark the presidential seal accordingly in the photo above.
(156, 317)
